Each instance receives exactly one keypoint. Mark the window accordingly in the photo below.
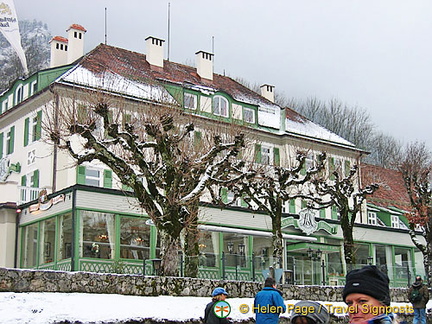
(33, 87)
(97, 232)
(10, 139)
(65, 237)
(372, 218)
(134, 239)
(267, 154)
(19, 94)
(30, 234)
(235, 247)
(394, 221)
(248, 115)
(190, 101)
(5, 105)
(220, 106)
(208, 244)
(33, 128)
(47, 241)
(31, 157)
(92, 176)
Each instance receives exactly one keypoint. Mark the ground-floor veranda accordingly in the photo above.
(104, 231)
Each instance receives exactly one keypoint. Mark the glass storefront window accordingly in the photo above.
(30, 246)
(47, 240)
(402, 262)
(208, 244)
(361, 252)
(262, 252)
(134, 238)
(235, 247)
(65, 237)
(97, 235)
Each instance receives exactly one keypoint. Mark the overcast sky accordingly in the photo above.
(375, 54)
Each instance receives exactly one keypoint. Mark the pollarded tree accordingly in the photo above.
(415, 167)
(151, 150)
(341, 189)
(268, 187)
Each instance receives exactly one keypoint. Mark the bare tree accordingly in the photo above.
(151, 149)
(341, 190)
(416, 166)
(272, 186)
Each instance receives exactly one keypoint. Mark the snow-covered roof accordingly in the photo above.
(128, 72)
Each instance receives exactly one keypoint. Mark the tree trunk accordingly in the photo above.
(277, 240)
(191, 250)
(169, 245)
(348, 240)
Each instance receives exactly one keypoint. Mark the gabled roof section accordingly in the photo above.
(391, 191)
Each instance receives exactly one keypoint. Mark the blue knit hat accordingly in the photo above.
(219, 291)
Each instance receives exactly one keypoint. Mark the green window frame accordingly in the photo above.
(10, 140)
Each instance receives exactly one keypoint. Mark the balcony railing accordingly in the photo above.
(27, 194)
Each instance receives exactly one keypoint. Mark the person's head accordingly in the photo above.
(367, 293)
(309, 312)
(269, 282)
(418, 282)
(219, 293)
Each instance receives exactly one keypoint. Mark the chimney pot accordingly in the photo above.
(204, 64)
(267, 91)
(155, 52)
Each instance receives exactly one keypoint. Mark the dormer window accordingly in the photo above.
(248, 115)
(220, 106)
(19, 94)
(190, 101)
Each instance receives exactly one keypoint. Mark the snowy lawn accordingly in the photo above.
(47, 308)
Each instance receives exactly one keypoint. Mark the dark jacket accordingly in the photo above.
(211, 318)
(423, 291)
(268, 304)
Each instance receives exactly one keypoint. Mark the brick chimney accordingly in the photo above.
(267, 91)
(204, 64)
(155, 51)
(76, 42)
(59, 51)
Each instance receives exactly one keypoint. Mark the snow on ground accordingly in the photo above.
(44, 308)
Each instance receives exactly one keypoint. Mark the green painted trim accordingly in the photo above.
(153, 242)
(46, 217)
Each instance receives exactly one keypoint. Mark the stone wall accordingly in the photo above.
(19, 280)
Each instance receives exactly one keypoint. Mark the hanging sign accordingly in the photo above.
(44, 203)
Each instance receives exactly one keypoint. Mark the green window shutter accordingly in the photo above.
(303, 169)
(258, 153)
(1, 145)
(107, 179)
(276, 156)
(24, 181)
(35, 179)
(39, 125)
(303, 204)
(224, 195)
(347, 167)
(334, 214)
(322, 213)
(81, 174)
(126, 187)
(197, 138)
(292, 206)
(26, 131)
(11, 140)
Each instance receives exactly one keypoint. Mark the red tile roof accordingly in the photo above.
(135, 66)
(59, 39)
(391, 191)
(77, 27)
